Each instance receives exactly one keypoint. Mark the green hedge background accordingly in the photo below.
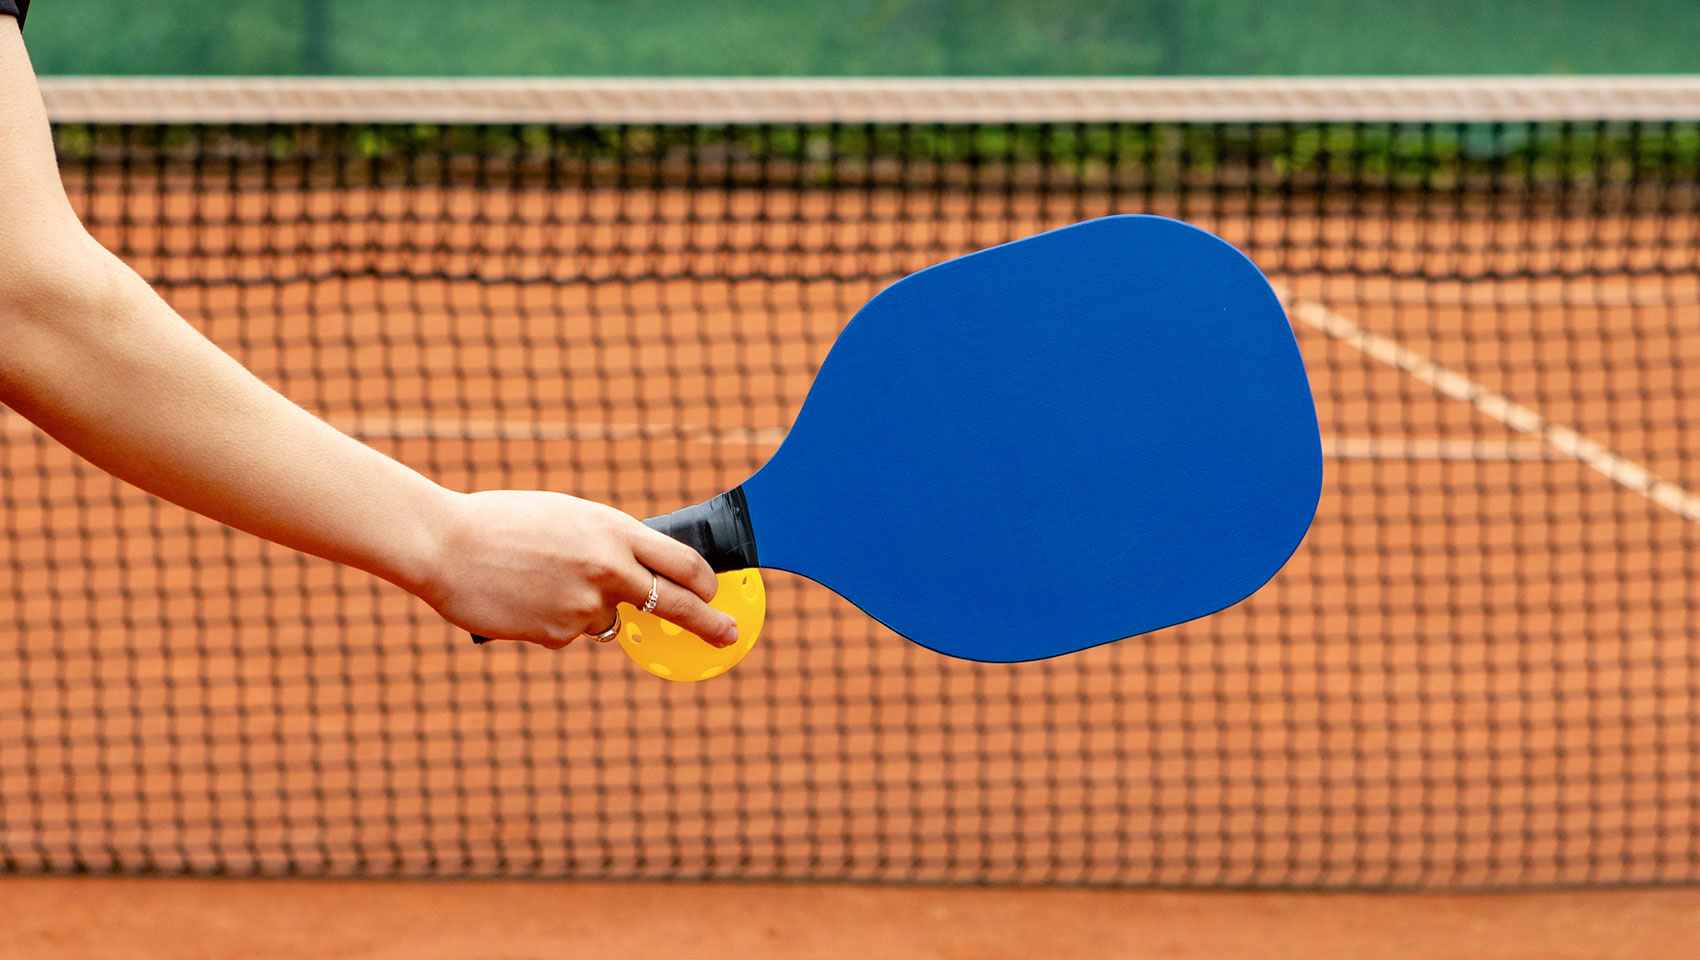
(863, 37)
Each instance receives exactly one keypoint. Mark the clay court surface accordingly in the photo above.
(65, 918)
(1480, 670)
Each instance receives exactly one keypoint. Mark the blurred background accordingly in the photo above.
(863, 37)
(1481, 672)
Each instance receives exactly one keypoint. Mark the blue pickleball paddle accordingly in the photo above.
(1047, 445)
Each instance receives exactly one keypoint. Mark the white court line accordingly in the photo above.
(1425, 448)
(1558, 437)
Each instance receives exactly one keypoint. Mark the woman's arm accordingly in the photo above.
(94, 357)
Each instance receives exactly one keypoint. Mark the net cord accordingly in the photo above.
(853, 100)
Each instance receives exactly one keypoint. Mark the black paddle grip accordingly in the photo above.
(719, 529)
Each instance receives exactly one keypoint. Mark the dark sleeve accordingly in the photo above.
(15, 8)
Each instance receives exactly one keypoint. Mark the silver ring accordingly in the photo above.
(609, 633)
(654, 596)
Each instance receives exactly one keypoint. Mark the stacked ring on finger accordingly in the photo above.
(654, 595)
(610, 633)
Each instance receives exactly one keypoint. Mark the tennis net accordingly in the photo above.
(1482, 669)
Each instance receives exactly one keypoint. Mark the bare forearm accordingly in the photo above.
(107, 368)
(97, 359)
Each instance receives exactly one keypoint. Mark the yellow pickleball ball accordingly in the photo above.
(673, 653)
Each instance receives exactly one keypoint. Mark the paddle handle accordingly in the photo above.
(718, 528)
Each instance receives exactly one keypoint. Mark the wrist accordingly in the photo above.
(420, 566)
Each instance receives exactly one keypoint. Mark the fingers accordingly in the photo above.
(686, 584)
(547, 642)
(673, 561)
(614, 559)
(674, 604)
(685, 608)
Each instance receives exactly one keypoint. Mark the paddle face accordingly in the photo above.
(1051, 444)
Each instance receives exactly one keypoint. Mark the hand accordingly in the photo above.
(545, 568)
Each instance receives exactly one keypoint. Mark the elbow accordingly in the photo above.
(55, 281)
(56, 293)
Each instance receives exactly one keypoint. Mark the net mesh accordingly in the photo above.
(1481, 668)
